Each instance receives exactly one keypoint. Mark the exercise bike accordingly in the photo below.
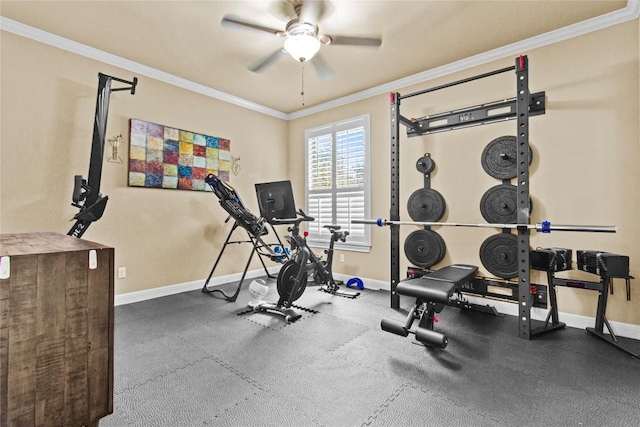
(293, 276)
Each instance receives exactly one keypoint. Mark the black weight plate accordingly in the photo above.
(499, 157)
(499, 204)
(426, 205)
(499, 255)
(425, 164)
(424, 248)
(286, 281)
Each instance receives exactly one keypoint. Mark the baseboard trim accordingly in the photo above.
(372, 284)
(571, 320)
(164, 291)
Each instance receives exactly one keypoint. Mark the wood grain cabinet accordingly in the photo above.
(56, 331)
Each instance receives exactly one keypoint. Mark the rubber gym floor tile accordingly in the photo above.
(323, 332)
(127, 313)
(166, 323)
(337, 392)
(568, 369)
(186, 396)
(356, 310)
(147, 328)
(262, 409)
(273, 321)
(412, 406)
(265, 354)
(544, 403)
(488, 338)
(374, 348)
(182, 301)
(209, 366)
(117, 419)
(144, 361)
(383, 299)
(528, 359)
(215, 338)
(506, 393)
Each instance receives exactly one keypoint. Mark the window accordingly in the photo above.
(337, 178)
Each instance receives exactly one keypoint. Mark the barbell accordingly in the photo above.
(544, 227)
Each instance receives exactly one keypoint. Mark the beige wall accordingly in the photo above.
(586, 152)
(163, 237)
(585, 168)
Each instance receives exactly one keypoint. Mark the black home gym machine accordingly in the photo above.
(277, 206)
(505, 248)
(255, 228)
(86, 193)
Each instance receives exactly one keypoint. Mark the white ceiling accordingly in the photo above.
(185, 39)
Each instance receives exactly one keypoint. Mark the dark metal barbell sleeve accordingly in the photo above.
(544, 227)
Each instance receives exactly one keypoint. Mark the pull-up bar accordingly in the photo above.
(469, 79)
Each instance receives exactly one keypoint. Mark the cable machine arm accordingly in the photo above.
(86, 193)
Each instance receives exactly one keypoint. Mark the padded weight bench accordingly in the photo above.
(432, 293)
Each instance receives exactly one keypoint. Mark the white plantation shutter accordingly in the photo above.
(321, 208)
(320, 162)
(351, 206)
(338, 181)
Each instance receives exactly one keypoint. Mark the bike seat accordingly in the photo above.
(332, 227)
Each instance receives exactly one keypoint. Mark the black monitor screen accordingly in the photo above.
(275, 200)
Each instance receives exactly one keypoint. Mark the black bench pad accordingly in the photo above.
(439, 285)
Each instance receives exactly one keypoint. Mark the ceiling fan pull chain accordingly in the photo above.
(302, 91)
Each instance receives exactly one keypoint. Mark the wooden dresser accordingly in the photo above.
(56, 331)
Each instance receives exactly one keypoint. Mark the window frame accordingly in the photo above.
(333, 129)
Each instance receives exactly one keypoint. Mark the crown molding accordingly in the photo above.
(630, 12)
(117, 61)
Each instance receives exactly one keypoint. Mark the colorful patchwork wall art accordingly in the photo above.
(165, 157)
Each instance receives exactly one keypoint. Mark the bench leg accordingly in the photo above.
(425, 333)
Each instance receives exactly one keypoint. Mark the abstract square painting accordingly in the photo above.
(165, 157)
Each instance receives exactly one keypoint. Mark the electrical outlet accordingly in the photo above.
(341, 257)
(122, 272)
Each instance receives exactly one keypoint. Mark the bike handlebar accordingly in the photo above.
(302, 217)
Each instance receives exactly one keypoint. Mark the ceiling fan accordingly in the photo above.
(302, 38)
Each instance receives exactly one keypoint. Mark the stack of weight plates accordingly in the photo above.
(425, 248)
(498, 206)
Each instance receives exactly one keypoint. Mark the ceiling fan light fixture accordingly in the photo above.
(302, 47)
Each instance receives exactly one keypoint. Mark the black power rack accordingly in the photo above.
(520, 109)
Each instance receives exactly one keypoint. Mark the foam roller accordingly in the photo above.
(394, 327)
(428, 336)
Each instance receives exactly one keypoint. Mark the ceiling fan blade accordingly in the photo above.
(236, 23)
(311, 10)
(267, 61)
(354, 41)
(323, 69)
